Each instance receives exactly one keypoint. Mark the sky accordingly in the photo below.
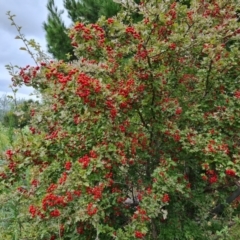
(30, 15)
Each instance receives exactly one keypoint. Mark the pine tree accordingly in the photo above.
(58, 42)
(90, 10)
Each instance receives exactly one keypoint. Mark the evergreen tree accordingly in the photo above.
(58, 42)
(90, 10)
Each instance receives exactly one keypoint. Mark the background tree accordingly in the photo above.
(58, 42)
(5, 105)
(14, 114)
(18, 116)
(90, 10)
(5, 133)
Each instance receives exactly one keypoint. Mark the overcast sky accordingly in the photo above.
(30, 15)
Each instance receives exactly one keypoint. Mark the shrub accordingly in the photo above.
(138, 138)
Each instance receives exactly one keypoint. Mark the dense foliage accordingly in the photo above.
(138, 138)
(59, 44)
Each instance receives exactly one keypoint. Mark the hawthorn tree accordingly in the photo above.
(138, 138)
